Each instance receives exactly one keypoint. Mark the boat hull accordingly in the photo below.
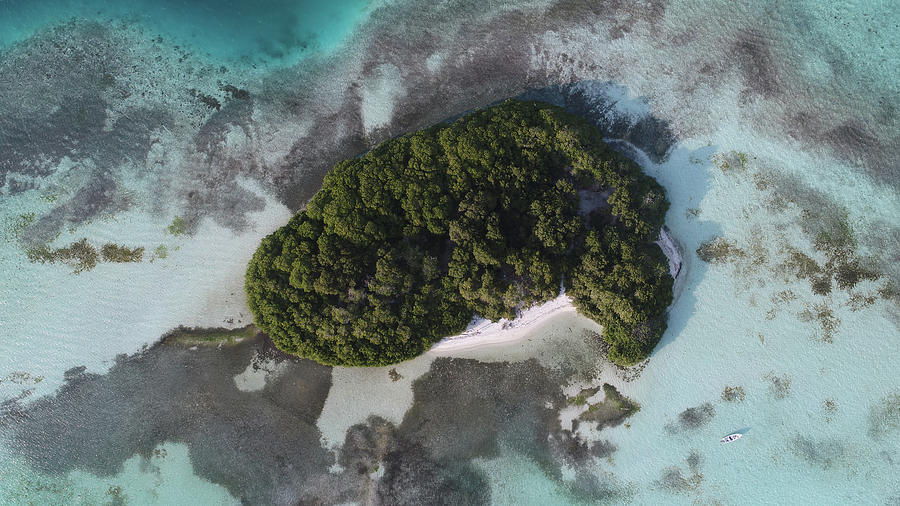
(731, 438)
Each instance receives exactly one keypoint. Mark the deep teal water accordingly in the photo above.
(255, 31)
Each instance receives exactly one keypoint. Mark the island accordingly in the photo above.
(491, 214)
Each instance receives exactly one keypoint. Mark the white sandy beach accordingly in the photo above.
(483, 332)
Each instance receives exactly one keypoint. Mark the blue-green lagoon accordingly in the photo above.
(192, 130)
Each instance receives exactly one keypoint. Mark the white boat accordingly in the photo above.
(732, 437)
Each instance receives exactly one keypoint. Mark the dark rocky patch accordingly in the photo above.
(214, 191)
(49, 86)
(410, 475)
(53, 88)
(779, 386)
(463, 409)
(207, 100)
(823, 315)
(210, 137)
(77, 123)
(487, 58)
(692, 418)
(12, 409)
(694, 461)
(884, 417)
(674, 479)
(589, 489)
(620, 15)
(719, 250)
(235, 92)
(262, 446)
(851, 140)
(330, 139)
(733, 394)
(831, 260)
(55, 102)
(823, 453)
(58, 88)
(490, 72)
(757, 63)
(15, 186)
(97, 196)
(87, 62)
(612, 411)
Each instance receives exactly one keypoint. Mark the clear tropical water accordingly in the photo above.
(773, 126)
(252, 32)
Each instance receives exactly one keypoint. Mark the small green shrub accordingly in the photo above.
(178, 226)
(198, 336)
(719, 250)
(730, 161)
(24, 221)
(115, 253)
(733, 394)
(80, 255)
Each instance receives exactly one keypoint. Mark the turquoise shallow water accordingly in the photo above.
(253, 32)
(769, 125)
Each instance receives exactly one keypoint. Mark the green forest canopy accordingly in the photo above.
(402, 246)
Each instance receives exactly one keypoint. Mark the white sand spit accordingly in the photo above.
(483, 332)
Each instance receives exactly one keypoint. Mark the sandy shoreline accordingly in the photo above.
(483, 332)
(672, 250)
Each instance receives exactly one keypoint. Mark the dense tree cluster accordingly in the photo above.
(402, 246)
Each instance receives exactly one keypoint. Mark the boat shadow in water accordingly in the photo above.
(740, 433)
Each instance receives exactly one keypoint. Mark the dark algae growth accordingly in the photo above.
(402, 246)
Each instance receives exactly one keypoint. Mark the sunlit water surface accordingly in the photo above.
(819, 402)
